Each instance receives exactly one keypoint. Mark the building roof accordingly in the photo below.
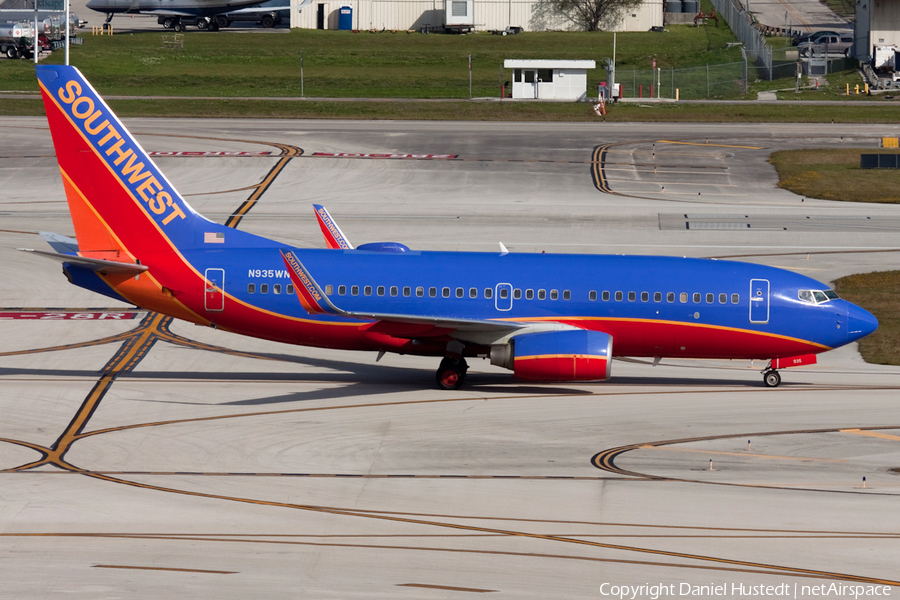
(549, 64)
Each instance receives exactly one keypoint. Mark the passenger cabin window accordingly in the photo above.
(645, 296)
(593, 295)
(407, 291)
(670, 297)
(380, 290)
(290, 289)
(567, 295)
(504, 293)
(657, 296)
(605, 296)
(710, 298)
(735, 298)
(276, 289)
(517, 293)
(554, 294)
(264, 288)
(473, 292)
(619, 296)
(542, 294)
(394, 290)
(488, 293)
(631, 296)
(683, 297)
(723, 298)
(367, 290)
(445, 292)
(354, 290)
(329, 289)
(420, 291)
(459, 292)
(342, 289)
(696, 297)
(432, 292)
(251, 288)
(529, 294)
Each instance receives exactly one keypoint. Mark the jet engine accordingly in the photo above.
(571, 355)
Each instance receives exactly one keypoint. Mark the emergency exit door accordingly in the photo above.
(214, 295)
(759, 301)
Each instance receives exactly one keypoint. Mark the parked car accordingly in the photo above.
(828, 44)
(811, 37)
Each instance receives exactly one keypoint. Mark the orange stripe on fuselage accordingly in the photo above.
(649, 337)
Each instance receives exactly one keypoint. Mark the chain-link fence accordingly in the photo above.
(711, 81)
(741, 23)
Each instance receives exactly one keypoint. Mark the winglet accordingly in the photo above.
(503, 250)
(310, 294)
(334, 237)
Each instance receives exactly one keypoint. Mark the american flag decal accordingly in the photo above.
(213, 238)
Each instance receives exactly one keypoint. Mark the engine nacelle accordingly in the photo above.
(557, 355)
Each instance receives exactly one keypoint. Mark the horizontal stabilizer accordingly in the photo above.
(105, 267)
(61, 243)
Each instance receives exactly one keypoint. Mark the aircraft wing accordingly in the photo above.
(315, 301)
(334, 237)
(170, 13)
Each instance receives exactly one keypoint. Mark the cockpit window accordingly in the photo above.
(816, 296)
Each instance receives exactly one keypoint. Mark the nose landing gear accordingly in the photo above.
(771, 378)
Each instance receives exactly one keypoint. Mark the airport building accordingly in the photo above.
(434, 15)
(877, 25)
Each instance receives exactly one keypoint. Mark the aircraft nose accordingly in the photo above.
(860, 322)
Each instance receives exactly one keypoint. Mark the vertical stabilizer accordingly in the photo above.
(120, 201)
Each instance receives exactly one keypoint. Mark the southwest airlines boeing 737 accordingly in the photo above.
(547, 317)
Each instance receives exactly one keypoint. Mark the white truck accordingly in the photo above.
(16, 39)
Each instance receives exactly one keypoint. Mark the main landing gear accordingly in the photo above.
(452, 371)
(771, 378)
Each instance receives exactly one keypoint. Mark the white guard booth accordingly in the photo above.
(550, 79)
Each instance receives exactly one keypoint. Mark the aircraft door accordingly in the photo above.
(503, 296)
(214, 290)
(759, 301)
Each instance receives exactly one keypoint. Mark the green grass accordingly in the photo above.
(480, 111)
(879, 293)
(834, 174)
(344, 64)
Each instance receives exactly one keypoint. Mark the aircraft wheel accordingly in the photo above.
(213, 25)
(167, 23)
(178, 27)
(771, 378)
(202, 24)
(222, 21)
(11, 52)
(450, 374)
(268, 22)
